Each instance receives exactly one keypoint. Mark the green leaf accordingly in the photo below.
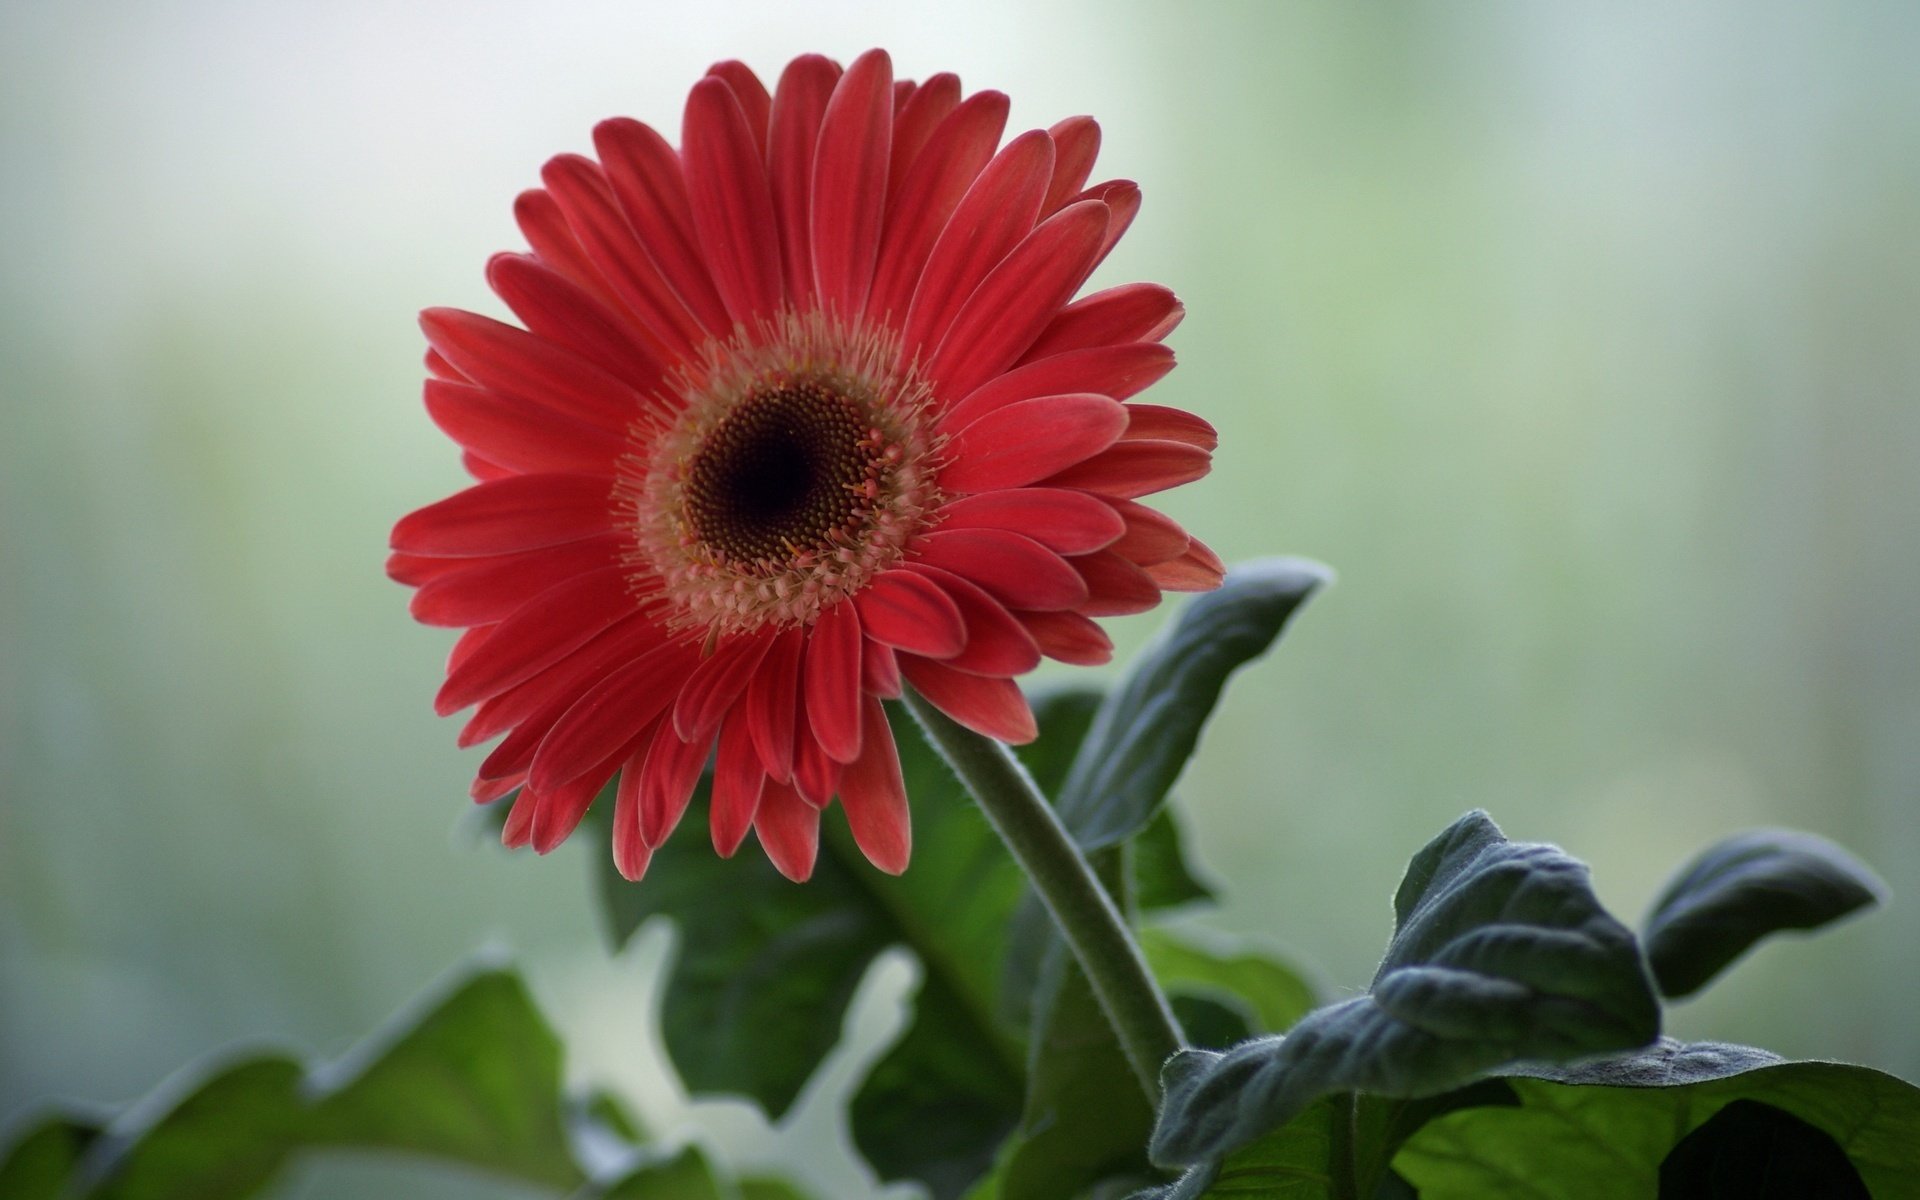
(1289, 1163)
(1162, 877)
(1147, 728)
(765, 1187)
(757, 991)
(473, 1079)
(1501, 952)
(1601, 1130)
(1754, 1151)
(1276, 995)
(684, 1176)
(1743, 889)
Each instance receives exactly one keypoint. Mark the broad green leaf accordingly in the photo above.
(757, 991)
(1147, 728)
(1754, 1151)
(765, 1187)
(1275, 995)
(1601, 1130)
(1743, 889)
(1501, 953)
(1162, 877)
(473, 1079)
(684, 1176)
(1289, 1163)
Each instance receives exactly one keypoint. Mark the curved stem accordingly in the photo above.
(1085, 913)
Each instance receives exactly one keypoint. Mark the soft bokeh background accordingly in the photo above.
(1581, 338)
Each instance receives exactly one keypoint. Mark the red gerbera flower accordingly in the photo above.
(800, 411)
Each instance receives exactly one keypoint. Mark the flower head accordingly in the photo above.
(797, 414)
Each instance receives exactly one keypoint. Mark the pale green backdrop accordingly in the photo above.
(1580, 338)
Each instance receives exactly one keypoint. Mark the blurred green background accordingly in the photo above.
(1580, 338)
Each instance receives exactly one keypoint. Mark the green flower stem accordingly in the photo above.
(1094, 929)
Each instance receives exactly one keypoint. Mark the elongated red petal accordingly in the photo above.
(751, 95)
(789, 831)
(879, 670)
(523, 436)
(1076, 143)
(666, 782)
(799, 104)
(920, 210)
(732, 208)
(1151, 537)
(1128, 469)
(850, 183)
(875, 796)
(630, 851)
(568, 315)
(832, 682)
(1117, 587)
(1122, 198)
(1197, 570)
(1021, 443)
(1069, 637)
(994, 707)
(502, 516)
(996, 643)
(737, 783)
(1064, 521)
(493, 588)
(545, 227)
(644, 172)
(1116, 372)
(558, 812)
(716, 683)
(1156, 422)
(772, 700)
(1014, 569)
(534, 705)
(515, 363)
(816, 776)
(1132, 312)
(915, 122)
(538, 634)
(581, 188)
(912, 613)
(608, 716)
(998, 211)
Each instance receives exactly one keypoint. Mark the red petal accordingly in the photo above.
(879, 670)
(503, 516)
(486, 791)
(1117, 587)
(1076, 142)
(816, 777)
(1156, 422)
(1129, 469)
(644, 173)
(520, 435)
(915, 122)
(1014, 303)
(1030, 440)
(466, 644)
(480, 468)
(737, 783)
(997, 212)
(798, 106)
(518, 830)
(850, 183)
(920, 208)
(630, 850)
(558, 812)
(536, 704)
(1132, 312)
(751, 94)
(492, 588)
(1063, 521)
(539, 634)
(732, 208)
(609, 715)
(515, 363)
(440, 368)
(1198, 570)
(1151, 537)
(415, 570)
(993, 707)
(1122, 198)
(584, 194)
(1014, 569)
(772, 699)
(1069, 637)
(789, 831)
(715, 684)
(666, 782)
(875, 796)
(996, 643)
(909, 611)
(545, 227)
(559, 310)
(1116, 372)
(832, 682)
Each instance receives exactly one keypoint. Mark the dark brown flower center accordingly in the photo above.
(782, 471)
